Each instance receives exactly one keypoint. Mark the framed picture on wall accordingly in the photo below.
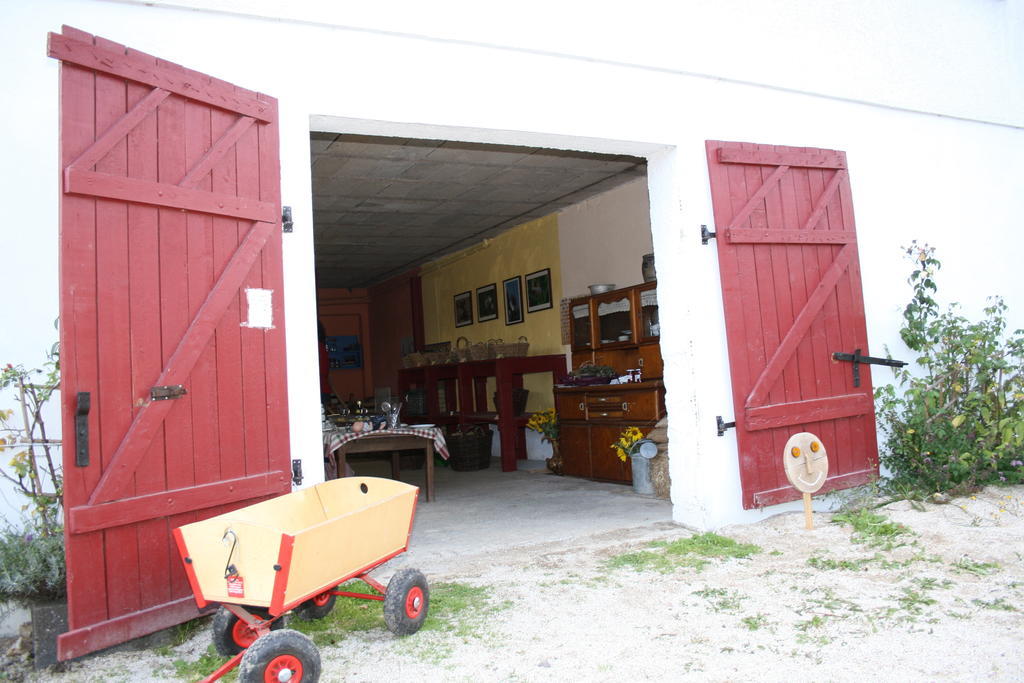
(513, 300)
(463, 309)
(487, 302)
(538, 291)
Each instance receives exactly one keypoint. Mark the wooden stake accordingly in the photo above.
(808, 513)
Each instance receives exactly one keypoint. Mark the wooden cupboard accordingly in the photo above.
(592, 418)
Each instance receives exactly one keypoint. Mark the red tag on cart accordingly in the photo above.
(236, 587)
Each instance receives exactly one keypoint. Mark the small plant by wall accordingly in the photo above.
(32, 551)
(956, 420)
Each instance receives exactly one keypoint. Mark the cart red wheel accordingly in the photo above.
(281, 656)
(231, 635)
(406, 602)
(317, 607)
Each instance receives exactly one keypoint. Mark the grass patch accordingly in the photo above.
(204, 666)
(966, 565)
(695, 552)
(873, 529)
(720, 599)
(349, 615)
(831, 564)
(997, 603)
(756, 622)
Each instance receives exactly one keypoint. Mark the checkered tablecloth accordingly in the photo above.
(336, 438)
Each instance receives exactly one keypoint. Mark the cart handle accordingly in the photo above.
(230, 569)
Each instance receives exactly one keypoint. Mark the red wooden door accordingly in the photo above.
(170, 228)
(787, 251)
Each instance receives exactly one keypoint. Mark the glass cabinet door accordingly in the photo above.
(579, 320)
(614, 318)
(650, 326)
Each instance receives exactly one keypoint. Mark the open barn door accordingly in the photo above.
(172, 325)
(791, 288)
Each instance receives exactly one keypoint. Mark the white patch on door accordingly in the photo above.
(261, 309)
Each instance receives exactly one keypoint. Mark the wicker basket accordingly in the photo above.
(414, 360)
(480, 351)
(513, 350)
(438, 357)
(470, 449)
(519, 397)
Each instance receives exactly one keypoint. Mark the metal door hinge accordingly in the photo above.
(722, 426)
(297, 472)
(286, 219)
(164, 393)
(706, 234)
(857, 359)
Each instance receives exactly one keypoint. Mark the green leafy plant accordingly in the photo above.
(957, 420)
(34, 466)
(31, 566)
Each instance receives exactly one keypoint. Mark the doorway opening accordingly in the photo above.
(432, 252)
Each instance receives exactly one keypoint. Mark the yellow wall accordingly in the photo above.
(522, 250)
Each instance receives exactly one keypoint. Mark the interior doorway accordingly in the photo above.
(395, 217)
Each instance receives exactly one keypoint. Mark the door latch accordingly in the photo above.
(857, 359)
(297, 472)
(722, 426)
(163, 393)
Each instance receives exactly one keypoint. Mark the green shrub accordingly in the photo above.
(957, 420)
(31, 566)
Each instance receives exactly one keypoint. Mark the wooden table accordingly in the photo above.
(338, 444)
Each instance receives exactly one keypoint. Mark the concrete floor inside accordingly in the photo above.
(486, 511)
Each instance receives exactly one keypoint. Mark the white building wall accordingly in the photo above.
(930, 117)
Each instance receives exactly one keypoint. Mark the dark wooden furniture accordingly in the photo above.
(457, 393)
(620, 329)
(384, 443)
(592, 418)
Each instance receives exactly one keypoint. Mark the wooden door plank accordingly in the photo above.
(254, 371)
(114, 63)
(79, 361)
(750, 236)
(228, 340)
(167, 195)
(121, 552)
(199, 169)
(152, 506)
(756, 154)
(805, 412)
(273, 278)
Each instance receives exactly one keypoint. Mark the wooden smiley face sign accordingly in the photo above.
(806, 462)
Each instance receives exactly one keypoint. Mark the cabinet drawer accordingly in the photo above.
(571, 406)
(642, 405)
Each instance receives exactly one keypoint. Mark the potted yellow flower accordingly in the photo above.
(545, 423)
(632, 444)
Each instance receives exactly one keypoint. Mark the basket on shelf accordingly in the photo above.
(437, 357)
(480, 351)
(512, 350)
(469, 448)
(519, 397)
(462, 352)
(414, 360)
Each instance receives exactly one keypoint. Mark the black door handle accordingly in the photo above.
(82, 429)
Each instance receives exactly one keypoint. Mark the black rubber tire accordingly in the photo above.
(406, 602)
(284, 649)
(311, 611)
(223, 631)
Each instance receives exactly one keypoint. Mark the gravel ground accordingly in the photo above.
(944, 602)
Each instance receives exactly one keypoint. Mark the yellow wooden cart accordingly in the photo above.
(291, 553)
